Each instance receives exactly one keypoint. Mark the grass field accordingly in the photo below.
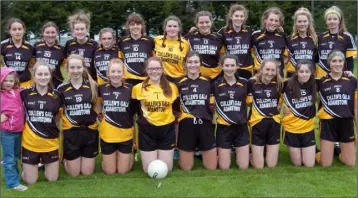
(283, 181)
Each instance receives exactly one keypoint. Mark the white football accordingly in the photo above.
(157, 169)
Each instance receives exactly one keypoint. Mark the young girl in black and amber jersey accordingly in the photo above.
(302, 44)
(299, 96)
(79, 118)
(51, 52)
(230, 104)
(195, 119)
(264, 92)
(237, 39)
(337, 111)
(155, 97)
(116, 128)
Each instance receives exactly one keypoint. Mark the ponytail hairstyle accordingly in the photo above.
(310, 31)
(39, 63)
(336, 10)
(230, 56)
(105, 30)
(293, 83)
(79, 17)
(119, 62)
(164, 83)
(278, 78)
(49, 24)
(203, 13)
(233, 9)
(172, 18)
(189, 55)
(85, 75)
(137, 19)
(276, 11)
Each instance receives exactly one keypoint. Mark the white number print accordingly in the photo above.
(78, 99)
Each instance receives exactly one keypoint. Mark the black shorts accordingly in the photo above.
(80, 142)
(299, 140)
(151, 138)
(196, 133)
(123, 147)
(243, 74)
(236, 135)
(31, 157)
(133, 81)
(266, 132)
(337, 130)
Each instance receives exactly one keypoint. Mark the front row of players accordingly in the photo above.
(190, 103)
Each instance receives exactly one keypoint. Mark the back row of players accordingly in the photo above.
(154, 98)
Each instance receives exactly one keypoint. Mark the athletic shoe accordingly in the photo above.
(20, 187)
(41, 166)
(337, 149)
(198, 155)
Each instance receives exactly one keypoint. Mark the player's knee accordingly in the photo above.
(29, 180)
(52, 178)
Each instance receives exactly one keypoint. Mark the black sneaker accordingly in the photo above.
(198, 155)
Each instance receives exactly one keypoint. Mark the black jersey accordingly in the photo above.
(194, 97)
(101, 61)
(300, 49)
(18, 58)
(134, 53)
(230, 102)
(40, 132)
(78, 109)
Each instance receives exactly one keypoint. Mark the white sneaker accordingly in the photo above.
(2, 161)
(20, 187)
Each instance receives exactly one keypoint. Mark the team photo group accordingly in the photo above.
(176, 95)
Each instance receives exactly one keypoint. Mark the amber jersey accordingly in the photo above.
(78, 109)
(337, 97)
(172, 53)
(300, 49)
(230, 102)
(117, 124)
(18, 58)
(327, 42)
(134, 54)
(194, 95)
(40, 133)
(210, 47)
(268, 45)
(302, 110)
(239, 44)
(264, 99)
(101, 59)
(86, 50)
(52, 55)
(155, 108)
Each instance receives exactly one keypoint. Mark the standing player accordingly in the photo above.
(50, 51)
(237, 39)
(232, 130)
(16, 52)
(104, 53)
(195, 119)
(116, 128)
(135, 48)
(209, 45)
(171, 48)
(155, 97)
(302, 44)
(336, 38)
(299, 96)
(79, 118)
(79, 25)
(40, 139)
(264, 93)
(270, 41)
(337, 111)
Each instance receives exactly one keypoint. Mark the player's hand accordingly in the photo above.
(286, 111)
(100, 117)
(3, 117)
(349, 73)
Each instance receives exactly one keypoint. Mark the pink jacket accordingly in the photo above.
(11, 106)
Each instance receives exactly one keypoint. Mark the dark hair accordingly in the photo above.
(135, 18)
(230, 56)
(172, 18)
(294, 85)
(164, 83)
(189, 55)
(233, 9)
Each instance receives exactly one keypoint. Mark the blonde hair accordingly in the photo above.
(34, 69)
(336, 10)
(79, 17)
(111, 63)
(278, 78)
(272, 10)
(310, 31)
(105, 30)
(85, 75)
(233, 9)
(17, 80)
